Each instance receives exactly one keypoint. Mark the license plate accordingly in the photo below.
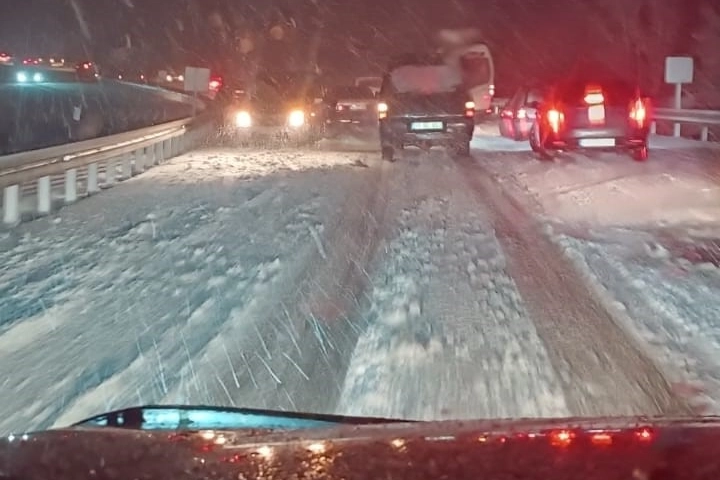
(358, 106)
(426, 126)
(597, 142)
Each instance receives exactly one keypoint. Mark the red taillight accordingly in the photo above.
(555, 119)
(382, 109)
(215, 84)
(638, 112)
(594, 98)
(470, 109)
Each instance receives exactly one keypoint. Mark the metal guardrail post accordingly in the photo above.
(123, 156)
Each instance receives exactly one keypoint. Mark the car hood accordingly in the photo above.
(569, 448)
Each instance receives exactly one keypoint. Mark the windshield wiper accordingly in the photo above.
(173, 417)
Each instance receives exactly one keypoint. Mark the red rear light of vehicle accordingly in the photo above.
(215, 84)
(555, 119)
(382, 109)
(594, 98)
(638, 112)
(470, 109)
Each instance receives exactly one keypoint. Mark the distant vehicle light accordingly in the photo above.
(215, 84)
(555, 118)
(38, 77)
(382, 109)
(521, 113)
(470, 109)
(594, 98)
(296, 118)
(638, 112)
(21, 77)
(168, 78)
(243, 119)
(181, 78)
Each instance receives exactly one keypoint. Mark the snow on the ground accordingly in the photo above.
(615, 219)
(104, 303)
(670, 303)
(673, 187)
(448, 334)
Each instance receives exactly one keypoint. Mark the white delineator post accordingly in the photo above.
(678, 71)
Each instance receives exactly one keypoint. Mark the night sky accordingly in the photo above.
(527, 36)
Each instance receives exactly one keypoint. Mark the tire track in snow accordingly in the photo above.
(448, 336)
(290, 353)
(604, 371)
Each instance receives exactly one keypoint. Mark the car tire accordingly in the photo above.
(640, 154)
(388, 153)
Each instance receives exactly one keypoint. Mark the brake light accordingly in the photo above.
(638, 112)
(470, 109)
(594, 98)
(555, 119)
(382, 109)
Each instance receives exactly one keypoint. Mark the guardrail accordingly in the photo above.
(702, 118)
(118, 157)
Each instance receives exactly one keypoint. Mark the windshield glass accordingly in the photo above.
(424, 79)
(199, 205)
(350, 93)
(476, 69)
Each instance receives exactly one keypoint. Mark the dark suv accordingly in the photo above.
(422, 103)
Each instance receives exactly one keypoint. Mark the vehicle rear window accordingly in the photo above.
(425, 79)
(616, 92)
(476, 69)
(370, 83)
(339, 93)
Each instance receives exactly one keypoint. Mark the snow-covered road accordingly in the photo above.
(319, 281)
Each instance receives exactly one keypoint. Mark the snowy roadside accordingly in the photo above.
(106, 303)
(628, 228)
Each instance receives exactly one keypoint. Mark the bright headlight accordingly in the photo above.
(243, 120)
(296, 118)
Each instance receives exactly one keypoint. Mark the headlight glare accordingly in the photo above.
(296, 118)
(243, 119)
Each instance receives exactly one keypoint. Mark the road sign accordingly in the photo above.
(197, 80)
(678, 70)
